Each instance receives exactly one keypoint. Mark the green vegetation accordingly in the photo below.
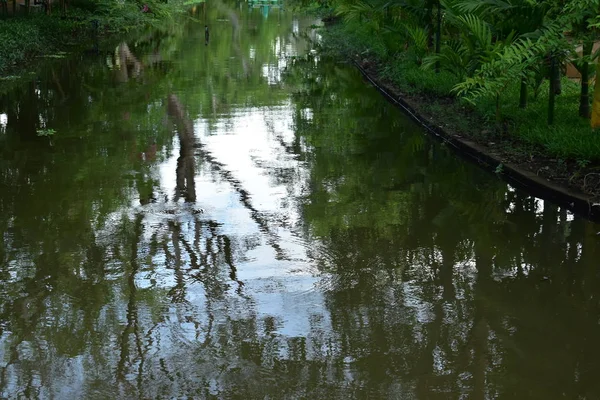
(408, 273)
(494, 70)
(27, 35)
(24, 37)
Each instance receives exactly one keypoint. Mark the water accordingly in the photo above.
(224, 221)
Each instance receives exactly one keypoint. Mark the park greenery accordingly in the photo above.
(397, 226)
(28, 31)
(423, 260)
(502, 62)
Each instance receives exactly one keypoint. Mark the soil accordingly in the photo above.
(572, 185)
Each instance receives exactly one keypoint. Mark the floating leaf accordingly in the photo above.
(46, 132)
(53, 56)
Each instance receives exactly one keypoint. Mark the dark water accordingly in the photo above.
(211, 221)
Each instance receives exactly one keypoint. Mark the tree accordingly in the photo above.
(581, 17)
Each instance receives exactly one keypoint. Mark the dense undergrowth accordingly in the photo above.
(525, 131)
(24, 37)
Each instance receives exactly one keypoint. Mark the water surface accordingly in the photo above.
(233, 219)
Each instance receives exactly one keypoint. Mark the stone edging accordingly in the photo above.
(579, 203)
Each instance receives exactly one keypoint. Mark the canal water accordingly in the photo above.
(238, 219)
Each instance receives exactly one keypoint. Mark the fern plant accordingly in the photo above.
(508, 64)
(475, 46)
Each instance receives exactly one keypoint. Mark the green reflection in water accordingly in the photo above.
(220, 221)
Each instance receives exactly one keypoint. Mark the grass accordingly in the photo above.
(25, 37)
(569, 138)
(21, 38)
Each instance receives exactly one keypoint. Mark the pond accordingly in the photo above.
(240, 219)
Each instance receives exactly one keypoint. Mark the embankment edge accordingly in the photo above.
(579, 203)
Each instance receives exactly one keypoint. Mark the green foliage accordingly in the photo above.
(503, 67)
(464, 56)
(412, 79)
(570, 138)
(362, 43)
(403, 248)
(21, 37)
(418, 40)
(488, 48)
(24, 37)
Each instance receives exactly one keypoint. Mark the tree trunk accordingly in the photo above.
(523, 95)
(430, 33)
(595, 122)
(555, 77)
(498, 114)
(438, 38)
(552, 91)
(584, 98)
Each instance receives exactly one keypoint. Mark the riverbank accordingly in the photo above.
(25, 38)
(566, 156)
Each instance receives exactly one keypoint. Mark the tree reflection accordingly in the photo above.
(185, 162)
(454, 283)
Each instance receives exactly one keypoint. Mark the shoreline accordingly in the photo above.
(54, 36)
(587, 205)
